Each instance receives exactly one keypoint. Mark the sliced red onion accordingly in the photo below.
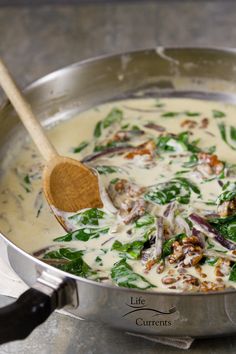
(158, 128)
(183, 225)
(215, 253)
(108, 151)
(200, 236)
(159, 236)
(211, 231)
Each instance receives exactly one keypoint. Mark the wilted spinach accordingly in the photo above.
(225, 226)
(177, 143)
(123, 275)
(75, 265)
(115, 116)
(104, 170)
(81, 146)
(218, 114)
(178, 189)
(228, 192)
(232, 275)
(131, 250)
(231, 137)
(83, 234)
(63, 253)
(88, 217)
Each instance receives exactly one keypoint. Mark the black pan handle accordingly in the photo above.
(19, 319)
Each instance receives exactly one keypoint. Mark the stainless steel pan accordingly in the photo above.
(191, 72)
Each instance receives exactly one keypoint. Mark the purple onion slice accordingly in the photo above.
(211, 231)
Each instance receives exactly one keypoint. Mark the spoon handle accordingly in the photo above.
(26, 114)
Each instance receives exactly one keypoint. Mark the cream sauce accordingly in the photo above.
(28, 221)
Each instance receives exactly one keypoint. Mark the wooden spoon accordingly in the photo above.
(68, 185)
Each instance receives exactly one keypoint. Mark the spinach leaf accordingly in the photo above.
(88, 217)
(232, 275)
(78, 267)
(81, 146)
(83, 234)
(230, 137)
(63, 253)
(178, 189)
(167, 245)
(110, 144)
(225, 226)
(131, 250)
(115, 116)
(98, 130)
(211, 260)
(218, 114)
(75, 264)
(228, 192)
(146, 219)
(26, 184)
(104, 170)
(99, 260)
(192, 114)
(193, 161)
(123, 275)
(145, 228)
(177, 143)
(170, 114)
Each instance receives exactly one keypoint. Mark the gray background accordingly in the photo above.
(37, 40)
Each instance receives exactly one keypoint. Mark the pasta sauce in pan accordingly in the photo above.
(168, 171)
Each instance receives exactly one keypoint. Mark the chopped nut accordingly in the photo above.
(209, 164)
(204, 123)
(190, 124)
(169, 280)
(222, 267)
(160, 267)
(227, 208)
(207, 286)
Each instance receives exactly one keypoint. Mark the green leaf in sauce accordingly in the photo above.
(63, 253)
(99, 260)
(131, 250)
(78, 267)
(104, 170)
(228, 135)
(74, 261)
(211, 260)
(83, 234)
(122, 274)
(192, 162)
(98, 130)
(115, 116)
(178, 189)
(88, 217)
(218, 114)
(228, 192)
(232, 276)
(81, 146)
(192, 114)
(167, 245)
(177, 143)
(170, 114)
(26, 184)
(225, 226)
(145, 220)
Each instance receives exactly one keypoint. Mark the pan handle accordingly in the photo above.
(19, 319)
(34, 306)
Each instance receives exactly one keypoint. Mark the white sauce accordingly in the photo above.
(27, 220)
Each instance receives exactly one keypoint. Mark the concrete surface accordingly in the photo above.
(37, 40)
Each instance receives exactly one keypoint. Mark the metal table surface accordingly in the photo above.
(37, 40)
